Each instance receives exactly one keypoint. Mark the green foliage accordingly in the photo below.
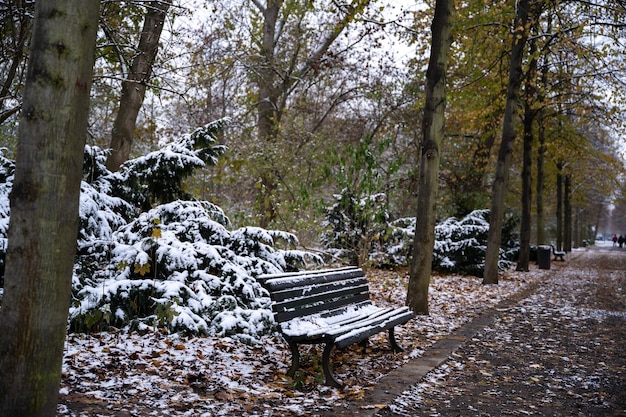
(360, 231)
(177, 267)
(158, 176)
(353, 224)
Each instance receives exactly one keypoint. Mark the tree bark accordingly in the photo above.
(275, 84)
(268, 110)
(433, 128)
(44, 206)
(500, 182)
(541, 151)
(134, 86)
(559, 205)
(567, 215)
(526, 197)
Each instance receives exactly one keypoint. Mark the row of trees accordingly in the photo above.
(317, 108)
(536, 97)
(321, 102)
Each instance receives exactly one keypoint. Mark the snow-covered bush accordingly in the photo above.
(7, 169)
(354, 225)
(178, 267)
(460, 245)
(395, 246)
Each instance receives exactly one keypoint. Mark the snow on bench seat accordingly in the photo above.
(330, 307)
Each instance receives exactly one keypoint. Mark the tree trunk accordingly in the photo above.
(526, 197)
(567, 207)
(559, 205)
(268, 111)
(134, 86)
(433, 128)
(541, 151)
(496, 216)
(44, 206)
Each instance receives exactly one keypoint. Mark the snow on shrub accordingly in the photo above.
(460, 245)
(354, 225)
(7, 169)
(176, 268)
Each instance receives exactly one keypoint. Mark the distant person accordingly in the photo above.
(621, 240)
(614, 240)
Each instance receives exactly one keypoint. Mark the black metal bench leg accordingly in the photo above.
(364, 343)
(328, 373)
(295, 358)
(392, 339)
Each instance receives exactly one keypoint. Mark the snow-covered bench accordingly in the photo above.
(558, 253)
(330, 307)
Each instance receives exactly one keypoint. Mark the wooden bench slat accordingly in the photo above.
(355, 322)
(307, 311)
(277, 284)
(310, 290)
(307, 328)
(263, 278)
(360, 334)
(332, 307)
(300, 303)
(368, 321)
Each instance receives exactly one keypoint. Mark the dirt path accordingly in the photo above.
(559, 352)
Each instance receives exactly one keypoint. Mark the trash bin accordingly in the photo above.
(543, 257)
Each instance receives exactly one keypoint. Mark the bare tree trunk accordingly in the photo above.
(529, 117)
(559, 205)
(567, 207)
(541, 151)
(44, 206)
(134, 86)
(433, 128)
(526, 197)
(500, 182)
(268, 110)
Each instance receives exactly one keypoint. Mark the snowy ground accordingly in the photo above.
(164, 375)
(559, 352)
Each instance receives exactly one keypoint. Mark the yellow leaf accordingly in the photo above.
(156, 233)
(142, 269)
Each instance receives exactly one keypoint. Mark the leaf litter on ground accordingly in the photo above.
(154, 374)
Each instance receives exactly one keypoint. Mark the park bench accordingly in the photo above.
(558, 254)
(330, 307)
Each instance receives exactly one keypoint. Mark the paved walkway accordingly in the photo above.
(558, 348)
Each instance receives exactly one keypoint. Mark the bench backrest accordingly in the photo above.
(303, 293)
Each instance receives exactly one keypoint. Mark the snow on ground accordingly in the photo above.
(574, 368)
(168, 375)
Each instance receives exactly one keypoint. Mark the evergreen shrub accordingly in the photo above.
(460, 245)
(151, 258)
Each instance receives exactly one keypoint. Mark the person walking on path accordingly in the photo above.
(614, 240)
